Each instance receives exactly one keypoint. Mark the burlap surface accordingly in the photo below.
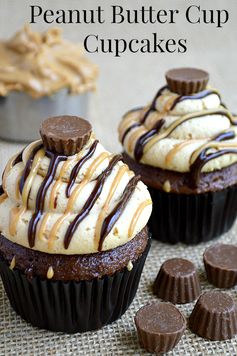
(19, 338)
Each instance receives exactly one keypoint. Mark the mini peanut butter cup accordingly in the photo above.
(214, 316)
(186, 81)
(160, 326)
(220, 262)
(65, 134)
(177, 281)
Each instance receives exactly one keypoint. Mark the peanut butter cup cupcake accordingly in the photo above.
(73, 236)
(184, 146)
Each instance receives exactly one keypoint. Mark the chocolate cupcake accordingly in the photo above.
(73, 230)
(184, 146)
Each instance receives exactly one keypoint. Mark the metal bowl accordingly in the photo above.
(21, 115)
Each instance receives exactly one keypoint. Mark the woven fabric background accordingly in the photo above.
(19, 338)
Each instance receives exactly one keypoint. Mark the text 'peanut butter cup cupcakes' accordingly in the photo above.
(214, 316)
(160, 326)
(220, 262)
(184, 146)
(177, 281)
(73, 236)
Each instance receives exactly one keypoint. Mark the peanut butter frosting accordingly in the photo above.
(183, 133)
(78, 204)
(41, 64)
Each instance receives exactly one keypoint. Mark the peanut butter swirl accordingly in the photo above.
(78, 204)
(41, 64)
(184, 133)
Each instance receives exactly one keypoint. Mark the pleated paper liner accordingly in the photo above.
(192, 219)
(72, 306)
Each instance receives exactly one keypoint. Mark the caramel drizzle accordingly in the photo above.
(31, 169)
(77, 167)
(75, 195)
(137, 215)
(201, 156)
(15, 216)
(55, 159)
(28, 166)
(122, 170)
(138, 151)
(142, 121)
(113, 217)
(91, 201)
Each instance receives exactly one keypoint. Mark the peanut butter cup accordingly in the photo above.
(177, 281)
(220, 262)
(186, 81)
(160, 326)
(65, 134)
(214, 316)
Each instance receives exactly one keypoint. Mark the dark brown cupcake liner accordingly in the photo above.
(217, 324)
(192, 219)
(72, 306)
(177, 289)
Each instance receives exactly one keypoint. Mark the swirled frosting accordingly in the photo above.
(78, 204)
(181, 133)
(42, 63)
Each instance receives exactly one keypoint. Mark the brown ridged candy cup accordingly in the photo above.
(177, 281)
(186, 81)
(220, 262)
(160, 326)
(214, 316)
(65, 135)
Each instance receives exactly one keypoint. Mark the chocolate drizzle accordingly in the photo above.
(78, 166)
(55, 159)
(136, 124)
(91, 200)
(151, 108)
(203, 158)
(18, 158)
(200, 95)
(153, 104)
(28, 166)
(111, 219)
(138, 151)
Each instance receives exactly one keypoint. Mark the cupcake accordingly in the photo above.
(184, 146)
(41, 75)
(73, 230)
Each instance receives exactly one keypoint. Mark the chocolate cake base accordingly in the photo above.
(186, 214)
(181, 183)
(72, 306)
(73, 267)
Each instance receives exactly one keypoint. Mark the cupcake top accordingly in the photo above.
(41, 64)
(186, 128)
(68, 195)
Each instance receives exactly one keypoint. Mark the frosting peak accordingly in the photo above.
(42, 63)
(78, 204)
(176, 131)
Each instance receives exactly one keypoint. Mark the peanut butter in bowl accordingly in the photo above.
(41, 74)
